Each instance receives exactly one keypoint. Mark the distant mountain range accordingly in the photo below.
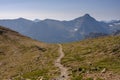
(55, 31)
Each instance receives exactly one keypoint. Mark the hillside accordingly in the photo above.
(97, 59)
(23, 58)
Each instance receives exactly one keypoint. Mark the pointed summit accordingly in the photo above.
(87, 16)
(21, 18)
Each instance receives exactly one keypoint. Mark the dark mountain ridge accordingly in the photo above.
(55, 31)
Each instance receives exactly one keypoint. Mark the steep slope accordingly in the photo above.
(86, 25)
(23, 58)
(93, 59)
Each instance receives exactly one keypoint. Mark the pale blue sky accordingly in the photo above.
(59, 9)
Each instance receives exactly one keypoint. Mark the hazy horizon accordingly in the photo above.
(59, 10)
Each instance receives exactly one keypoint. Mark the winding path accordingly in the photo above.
(63, 70)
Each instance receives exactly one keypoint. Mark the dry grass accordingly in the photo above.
(92, 56)
(22, 57)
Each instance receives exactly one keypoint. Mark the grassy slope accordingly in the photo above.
(89, 58)
(22, 57)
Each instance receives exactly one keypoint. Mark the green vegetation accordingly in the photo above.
(93, 57)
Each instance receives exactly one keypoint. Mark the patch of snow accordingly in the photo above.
(37, 20)
(116, 23)
(110, 25)
(75, 29)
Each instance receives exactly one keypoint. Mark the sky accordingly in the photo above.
(60, 9)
